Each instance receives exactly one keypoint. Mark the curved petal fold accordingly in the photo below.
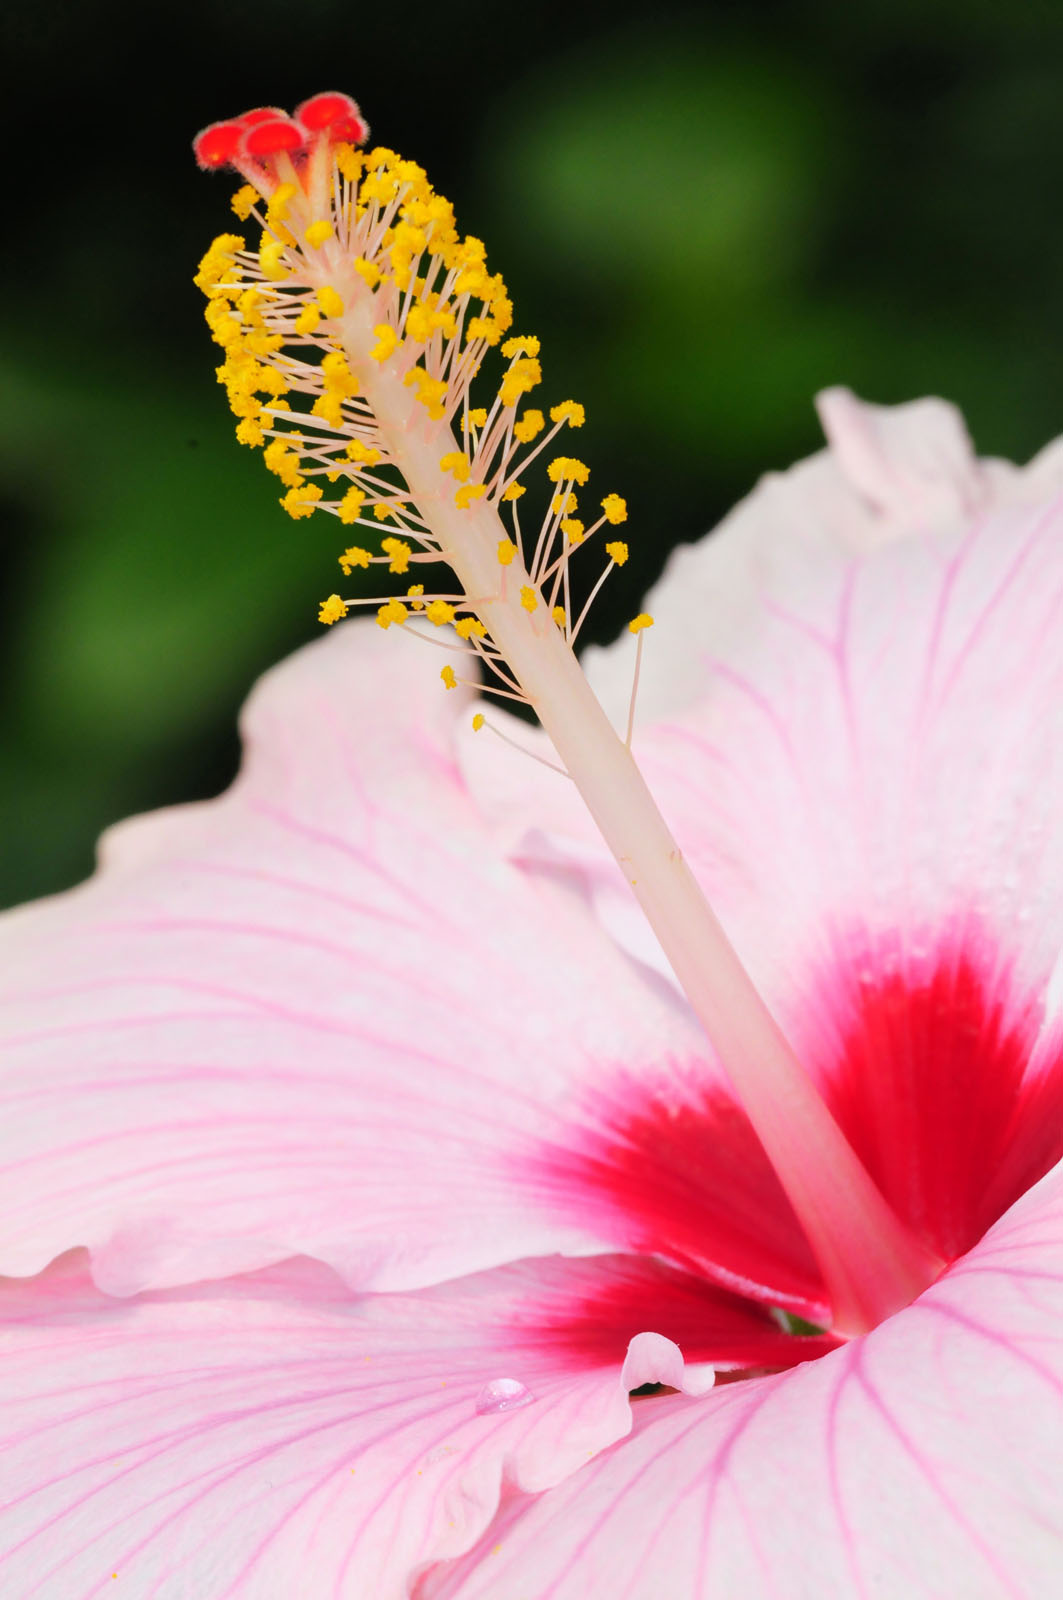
(274, 1435)
(920, 1461)
(317, 1016)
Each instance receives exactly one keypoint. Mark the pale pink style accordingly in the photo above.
(309, 1093)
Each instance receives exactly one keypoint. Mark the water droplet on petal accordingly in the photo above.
(503, 1394)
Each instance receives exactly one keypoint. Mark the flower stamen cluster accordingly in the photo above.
(355, 329)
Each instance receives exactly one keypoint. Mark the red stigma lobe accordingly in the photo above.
(257, 135)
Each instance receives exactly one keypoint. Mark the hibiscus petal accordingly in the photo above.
(318, 1016)
(920, 1461)
(273, 1435)
(868, 786)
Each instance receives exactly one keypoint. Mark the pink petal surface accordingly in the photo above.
(890, 473)
(868, 786)
(276, 1436)
(922, 1461)
(317, 1016)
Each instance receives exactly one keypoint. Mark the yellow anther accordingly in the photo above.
(283, 461)
(615, 509)
(477, 722)
(563, 505)
(617, 552)
(393, 611)
(439, 612)
(277, 206)
(271, 259)
(429, 391)
(523, 344)
(330, 302)
(569, 411)
(514, 491)
(567, 467)
(469, 492)
(485, 328)
(530, 425)
(573, 528)
(414, 593)
(332, 610)
(369, 274)
(318, 233)
(243, 200)
(637, 624)
(399, 552)
(330, 408)
(351, 505)
(521, 378)
(366, 454)
(354, 557)
(382, 511)
(506, 552)
(249, 431)
(475, 419)
(308, 318)
(349, 162)
(449, 680)
(470, 628)
(300, 501)
(457, 462)
(528, 598)
(558, 614)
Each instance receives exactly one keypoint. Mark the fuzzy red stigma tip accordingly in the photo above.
(269, 138)
(266, 131)
(336, 113)
(218, 144)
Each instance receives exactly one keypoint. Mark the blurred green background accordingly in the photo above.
(706, 213)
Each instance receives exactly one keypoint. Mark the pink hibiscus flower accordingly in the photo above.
(361, 1154)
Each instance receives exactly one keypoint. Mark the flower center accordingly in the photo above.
(352, 337)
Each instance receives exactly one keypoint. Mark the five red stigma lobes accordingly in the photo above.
(252, 139)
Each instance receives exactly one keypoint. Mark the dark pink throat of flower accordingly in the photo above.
(931, 1082)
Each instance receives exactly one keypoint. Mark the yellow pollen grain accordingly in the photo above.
(525, 344)
(393, 611)
(558, 614)
(506, 552)
(617, 551)
(330, 302)
(573, 528)
(569, 411)
(528, 598)
(469, 492)
(351, 505)
(332, 610)
(439, 612)
(530, 425)
(568, 467)
(448, 677)
(470, 628)
(301, 501)
(399, 552)
(615, 509)
(637, 624)
(366, 454)
(243, 200)
(318, 233)
(308, 319)
(457, 462)
(514, 492)
(353, 557)
(477, 722)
